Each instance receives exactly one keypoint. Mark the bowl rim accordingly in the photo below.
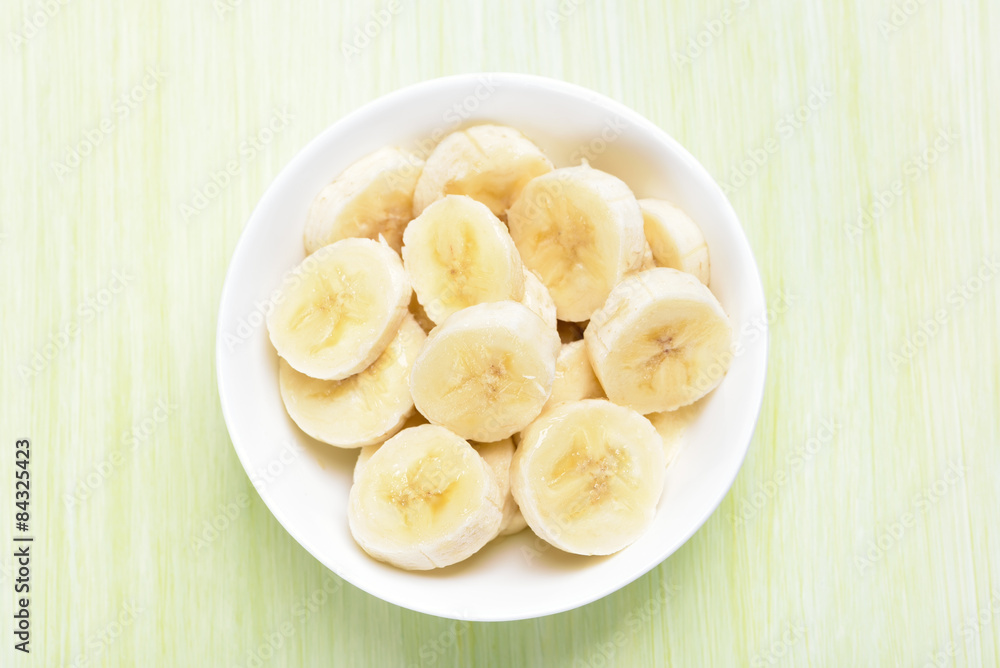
(587, 95)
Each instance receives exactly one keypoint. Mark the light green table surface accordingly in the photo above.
(845, 540)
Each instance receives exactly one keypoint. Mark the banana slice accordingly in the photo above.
(580, 230)
(486, 372)
(489, 163)
(661, 341)
(372, 197)
(570, 331)
(671, 426)
(674, 239)
(499, 455)
(362, 409)
(538, 299)
(339, 309)
(365, 453)
(575, 379)
(458, 254)
(587, 476)
(424, 500)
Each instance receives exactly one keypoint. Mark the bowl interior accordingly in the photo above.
(306, 483)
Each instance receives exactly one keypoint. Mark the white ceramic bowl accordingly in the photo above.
(306, 483)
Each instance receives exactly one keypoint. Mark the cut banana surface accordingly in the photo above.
(587, 476)
(661, 341)
(674, 239)
(425, 499)
(372, 197)
(489, 163)
(575, 379)
(538, 299)
(580, 230)
(362, 409)
(486, 372)
(458, 254)
(339, 309)
(499, 455)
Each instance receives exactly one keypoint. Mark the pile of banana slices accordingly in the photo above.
(508, 344)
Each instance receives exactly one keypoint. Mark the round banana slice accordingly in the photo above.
(587, 476)
(424, 500)
(575, 379)
(362, 409)
(365, 453)
(499, 455)
(489, 163)
(486, 372)
(674, 239)
(671, 426)
(458, 254)
(372, 197)
(339, 309)
(661, 341)
(580, 230)
(538, 299)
